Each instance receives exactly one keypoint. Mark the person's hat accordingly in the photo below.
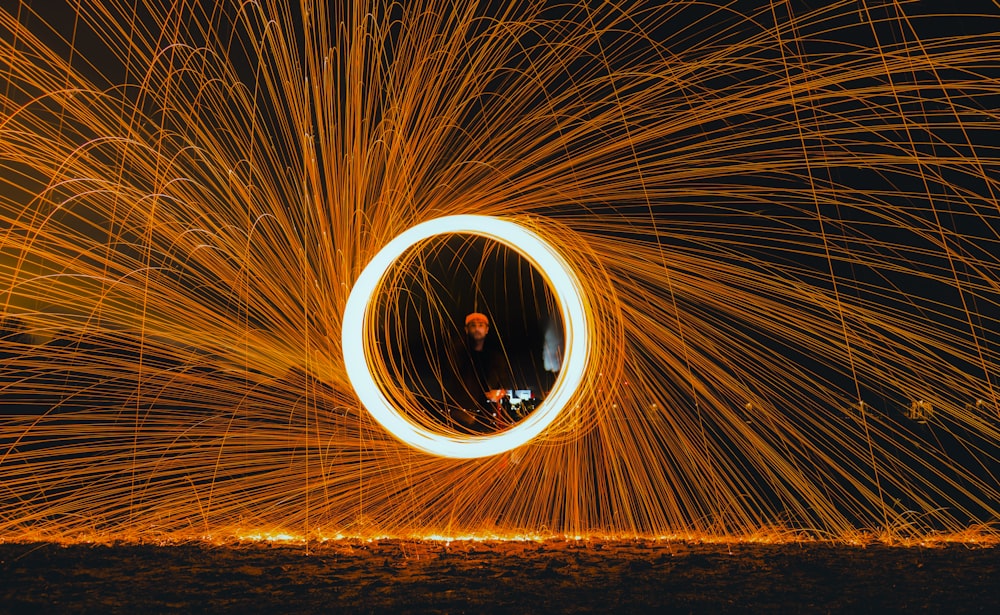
(476, 317)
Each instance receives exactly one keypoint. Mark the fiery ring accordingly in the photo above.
(357, 342)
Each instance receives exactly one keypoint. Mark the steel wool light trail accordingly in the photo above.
(236, 238)
(357, 340)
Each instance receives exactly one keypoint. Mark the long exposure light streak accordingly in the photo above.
(356, 338)
(783, 220)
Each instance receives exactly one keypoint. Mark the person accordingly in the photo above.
(480, 378)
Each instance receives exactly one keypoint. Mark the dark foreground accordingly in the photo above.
(472, 577)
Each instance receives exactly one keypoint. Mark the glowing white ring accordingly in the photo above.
(573, 309)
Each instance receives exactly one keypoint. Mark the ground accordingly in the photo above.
(393, 576)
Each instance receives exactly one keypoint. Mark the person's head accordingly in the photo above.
(476, 327)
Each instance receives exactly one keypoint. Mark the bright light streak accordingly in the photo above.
(784, 224)
(358, 345)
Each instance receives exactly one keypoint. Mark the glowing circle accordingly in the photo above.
(572, 306)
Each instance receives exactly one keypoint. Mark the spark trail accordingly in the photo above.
(785, 221)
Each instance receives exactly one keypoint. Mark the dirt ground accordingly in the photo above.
(515, 577)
